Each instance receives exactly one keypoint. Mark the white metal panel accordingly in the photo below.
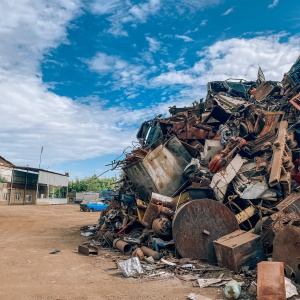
(52, 200)
(53, 179)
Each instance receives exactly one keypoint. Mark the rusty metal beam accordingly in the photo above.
(278, 152)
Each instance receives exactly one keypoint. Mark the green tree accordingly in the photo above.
(92, 183)
(2, 179)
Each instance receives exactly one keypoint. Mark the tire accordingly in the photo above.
(91, 209)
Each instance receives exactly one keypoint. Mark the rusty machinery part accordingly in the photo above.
(196, 224)
(286, 248)
(162, 227)
(108, 237)
(222, 158)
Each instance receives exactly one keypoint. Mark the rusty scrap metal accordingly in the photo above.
(237, 249)
(270, 281)
(281, 163)
(193, 219)
(286, 248)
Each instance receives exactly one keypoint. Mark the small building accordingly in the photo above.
(86, 197)
(71, 197)
(21, 185)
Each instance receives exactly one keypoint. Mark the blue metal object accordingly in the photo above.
(107, 194)
(128, 200)
(96, 206)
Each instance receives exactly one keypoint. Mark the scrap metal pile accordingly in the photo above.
(217, 181)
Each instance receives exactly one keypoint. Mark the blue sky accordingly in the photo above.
(79, 77)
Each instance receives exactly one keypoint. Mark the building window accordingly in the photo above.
(17, 197)
(28, 198)
(6, 196)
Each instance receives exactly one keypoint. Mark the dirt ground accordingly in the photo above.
(28, 271)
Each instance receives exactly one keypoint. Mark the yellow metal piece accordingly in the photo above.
(181, 198)
(245, 214)
(141, 208)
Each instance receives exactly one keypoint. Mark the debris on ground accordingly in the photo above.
(216, 183)
(54, 251)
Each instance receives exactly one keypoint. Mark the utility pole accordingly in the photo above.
(41, 156)
(37, 183)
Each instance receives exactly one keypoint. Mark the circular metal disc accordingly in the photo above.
(197, 223)
(286, 248)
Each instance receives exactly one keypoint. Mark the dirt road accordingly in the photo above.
(28, 271)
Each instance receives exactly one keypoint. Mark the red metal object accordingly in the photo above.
(191, 223)
(270, 281)
(295, 172)
(222, 158)
(286, 248)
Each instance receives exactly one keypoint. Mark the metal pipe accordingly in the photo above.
(149, 252)
(11, 184)
(122, 246)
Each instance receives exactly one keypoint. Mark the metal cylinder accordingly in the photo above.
(149, 252)
(138, 253)
(122, 246)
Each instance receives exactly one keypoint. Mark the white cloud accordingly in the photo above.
(184, 37)
(228, 11)
(102, 7)
(142, 11)
(203, 23)
(154, 44)
(122, 12)
(198, 4)
(237, 58)
(240, 58)
(104, 63)
(275, 3)
(172, 78)
(123, 73)
(28, 29)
